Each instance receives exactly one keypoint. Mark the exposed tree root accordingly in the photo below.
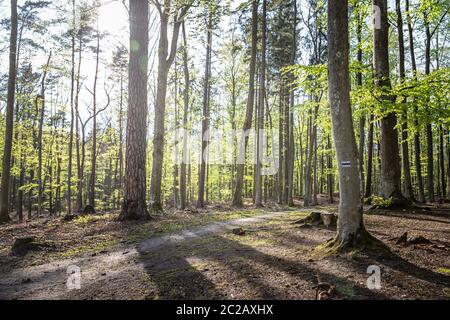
(362, 241)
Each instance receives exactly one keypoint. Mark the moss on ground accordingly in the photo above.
(445, 271)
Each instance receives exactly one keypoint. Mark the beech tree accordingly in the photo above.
(390, 158)
(351, 231)
(178, 13)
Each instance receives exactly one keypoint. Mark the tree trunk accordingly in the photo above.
(261, 107)
(390, 158)
(79, 200)
(183, 195)
(242, 149)
(205, 119)
(442, 161)
(429, 128)
(409, 193)
(92, 180)
(9, 125)
(72, 117)
(417, 149)
(330, 176)
(165, 59)
(351, 230)
(362, 120)
(40, 133)
(134, 205)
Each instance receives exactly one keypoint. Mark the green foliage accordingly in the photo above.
(379, 202)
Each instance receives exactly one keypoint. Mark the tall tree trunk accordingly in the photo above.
(417, 149)
(134, 205)
(93, 178)
(409, 193)
(390, 158)
(40, 133)
(165, 60)
(9, 125)
(205, 119)
(261, 107)
(350, 223)
(362, 120)
(281, 146)
(429, 127)
(177, 124)
(242, 149)
(72, 115)
(77, 130)
(183, 195)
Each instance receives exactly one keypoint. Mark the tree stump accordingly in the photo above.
(22, 246)
(317, 219)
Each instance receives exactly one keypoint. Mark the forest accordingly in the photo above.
(233, 149)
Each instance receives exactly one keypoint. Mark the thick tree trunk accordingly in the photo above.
(134, 205)
(350, 223)
(242, 148)
(9, 125)
(390, 158)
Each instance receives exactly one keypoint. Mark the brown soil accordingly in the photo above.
(199, 255)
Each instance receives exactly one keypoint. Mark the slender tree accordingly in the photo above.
(417, 148)
(206, 111)
(242, 147)
(261, 106)
(409, 193)
(9, 125)
(187, 80)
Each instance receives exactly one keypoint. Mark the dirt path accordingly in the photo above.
(270, 260)
(49, 281)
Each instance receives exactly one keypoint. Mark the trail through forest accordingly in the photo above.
(259, 257)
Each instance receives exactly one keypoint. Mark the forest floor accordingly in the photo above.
(200, 255)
